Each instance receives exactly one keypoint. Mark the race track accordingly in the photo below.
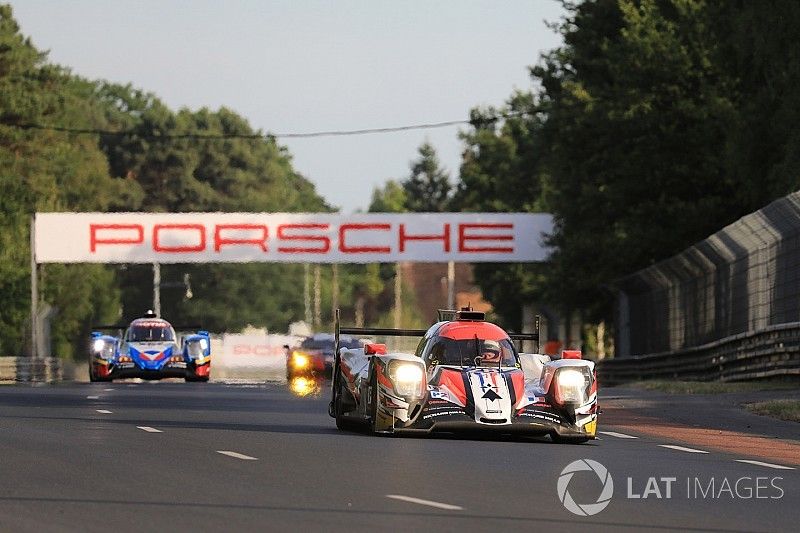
(231, 457)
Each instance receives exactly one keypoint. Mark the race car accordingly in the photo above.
(314, 355)
(465, 376)
(149, 349)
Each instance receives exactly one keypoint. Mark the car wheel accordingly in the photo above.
(342, 422)
(373, 402)
(92, 377)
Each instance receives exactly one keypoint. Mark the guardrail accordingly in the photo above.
(30, 370)
(770, 353)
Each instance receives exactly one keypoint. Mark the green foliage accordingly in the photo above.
(44, 170)
(391, 198)
(635, 85)
(656, 123)
(428, 187)
(758, 48)
(501, 172)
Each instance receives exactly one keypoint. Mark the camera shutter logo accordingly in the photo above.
(585, 509)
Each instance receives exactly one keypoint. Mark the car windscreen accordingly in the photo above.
(471, 352)
(150, 333)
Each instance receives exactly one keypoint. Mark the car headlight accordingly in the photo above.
(571, 386)
(204, 344)
(407, 378)
(195, 348)
(103, 349)
(300, 361)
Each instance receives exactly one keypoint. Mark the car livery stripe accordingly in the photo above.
(517, 387)
(453, 381)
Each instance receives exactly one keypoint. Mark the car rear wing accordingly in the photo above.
(125, 326)
(120, 328)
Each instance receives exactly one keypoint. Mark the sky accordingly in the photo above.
(306, 66)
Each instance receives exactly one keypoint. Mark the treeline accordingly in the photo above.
(44, 170)
(655, 124)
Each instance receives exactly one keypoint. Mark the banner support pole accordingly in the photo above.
(157, 289)
(451, 285)
(34, 292)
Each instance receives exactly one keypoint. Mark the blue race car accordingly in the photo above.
(149, 349)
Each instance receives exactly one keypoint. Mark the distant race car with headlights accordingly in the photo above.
(149, 349)
(314, 355)
(465, 376)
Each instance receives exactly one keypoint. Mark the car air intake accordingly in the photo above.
(493, 420)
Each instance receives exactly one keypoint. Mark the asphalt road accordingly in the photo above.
(147, 456)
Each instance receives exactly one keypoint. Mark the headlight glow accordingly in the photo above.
(407, 378)
(103, 349)
(571, 386)
(571, 378)
(300, 361)
(204, 344)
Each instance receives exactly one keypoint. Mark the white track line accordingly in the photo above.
(768, 465)
(103, 411)
(237, 455)
(93, 397)
(149, 429)
(682, 448)
(107, 390)
(618, 435)
(429, 503)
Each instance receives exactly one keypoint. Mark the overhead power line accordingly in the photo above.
(200, 136)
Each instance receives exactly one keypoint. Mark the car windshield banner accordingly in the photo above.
(290, 237)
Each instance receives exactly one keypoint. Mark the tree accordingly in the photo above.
(45, 171)
(144, 168)
(637, 109)
(656, 123)
(758, 49)
(428, 187)
(391, 198)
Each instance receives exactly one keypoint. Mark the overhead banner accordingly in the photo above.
(290, 237)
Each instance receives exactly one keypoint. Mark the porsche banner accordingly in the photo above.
(289, 237)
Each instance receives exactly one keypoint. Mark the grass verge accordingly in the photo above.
(709, 387)
(783, 409)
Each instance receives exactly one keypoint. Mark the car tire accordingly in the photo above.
(373, 402)
(342, 421)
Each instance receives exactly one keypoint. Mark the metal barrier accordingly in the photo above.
(744, 278)
(770, 353)
(31, 370)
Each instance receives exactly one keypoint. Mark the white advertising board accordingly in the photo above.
(290, 237)
(255, 351)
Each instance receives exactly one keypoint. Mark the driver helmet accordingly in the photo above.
(490, 351)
